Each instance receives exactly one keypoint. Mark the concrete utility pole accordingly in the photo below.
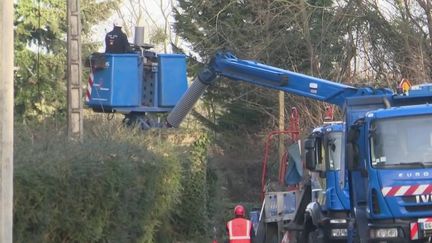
(6, 120)
(75, 108)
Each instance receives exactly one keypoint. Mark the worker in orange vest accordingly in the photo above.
(240, 229)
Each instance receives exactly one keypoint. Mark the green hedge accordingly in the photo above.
(119, 185)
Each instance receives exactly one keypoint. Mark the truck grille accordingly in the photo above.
(419, 208)
(416, 206)
(410, 199)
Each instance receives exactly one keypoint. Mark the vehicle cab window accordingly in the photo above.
(334, 148)
(401, 142)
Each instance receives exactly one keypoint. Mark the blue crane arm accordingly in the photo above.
(227, 65)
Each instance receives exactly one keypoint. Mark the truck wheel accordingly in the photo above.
(140, 120)
(271, 234)
(312, 237)
(316, 236)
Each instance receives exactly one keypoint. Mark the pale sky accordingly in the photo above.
(152, 18)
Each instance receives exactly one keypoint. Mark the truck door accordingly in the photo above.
(318, 177)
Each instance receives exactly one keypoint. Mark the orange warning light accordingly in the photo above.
(404, 85)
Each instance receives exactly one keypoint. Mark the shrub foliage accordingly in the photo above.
(116, 186)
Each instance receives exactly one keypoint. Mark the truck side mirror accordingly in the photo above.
(310, 155)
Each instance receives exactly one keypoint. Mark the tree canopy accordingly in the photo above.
(365, 42)
(40, 51)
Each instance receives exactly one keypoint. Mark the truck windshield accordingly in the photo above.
(401, 142)
(334, 147)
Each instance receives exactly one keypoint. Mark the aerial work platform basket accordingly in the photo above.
(136, 83)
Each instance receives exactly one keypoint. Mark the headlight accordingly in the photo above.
(339, 233)
(338, 221)
(384, 233)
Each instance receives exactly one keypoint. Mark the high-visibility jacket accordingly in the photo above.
(239, 230)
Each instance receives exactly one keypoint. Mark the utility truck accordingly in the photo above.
(383, 184)
(305, 205)
(387, 163)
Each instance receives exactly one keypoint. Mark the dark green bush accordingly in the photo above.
(118, 185)
(192, 216)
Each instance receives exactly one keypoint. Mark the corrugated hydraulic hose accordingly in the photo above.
(186, 103)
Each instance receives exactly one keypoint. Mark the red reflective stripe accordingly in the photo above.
(424, 220)
(88, 94)
(414, 231)
(419, 189)
(411, 190)
(90, 85)
(393, 190)
(428, 190)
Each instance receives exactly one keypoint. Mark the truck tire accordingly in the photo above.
(311, 237)
(316, 236)
(271, 234)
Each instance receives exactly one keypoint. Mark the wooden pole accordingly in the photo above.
(6, 120)
(74, 90)
(281, 124)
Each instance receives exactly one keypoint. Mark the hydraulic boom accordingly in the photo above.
(227, 65)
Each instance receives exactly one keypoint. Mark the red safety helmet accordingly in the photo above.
(239, 210)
